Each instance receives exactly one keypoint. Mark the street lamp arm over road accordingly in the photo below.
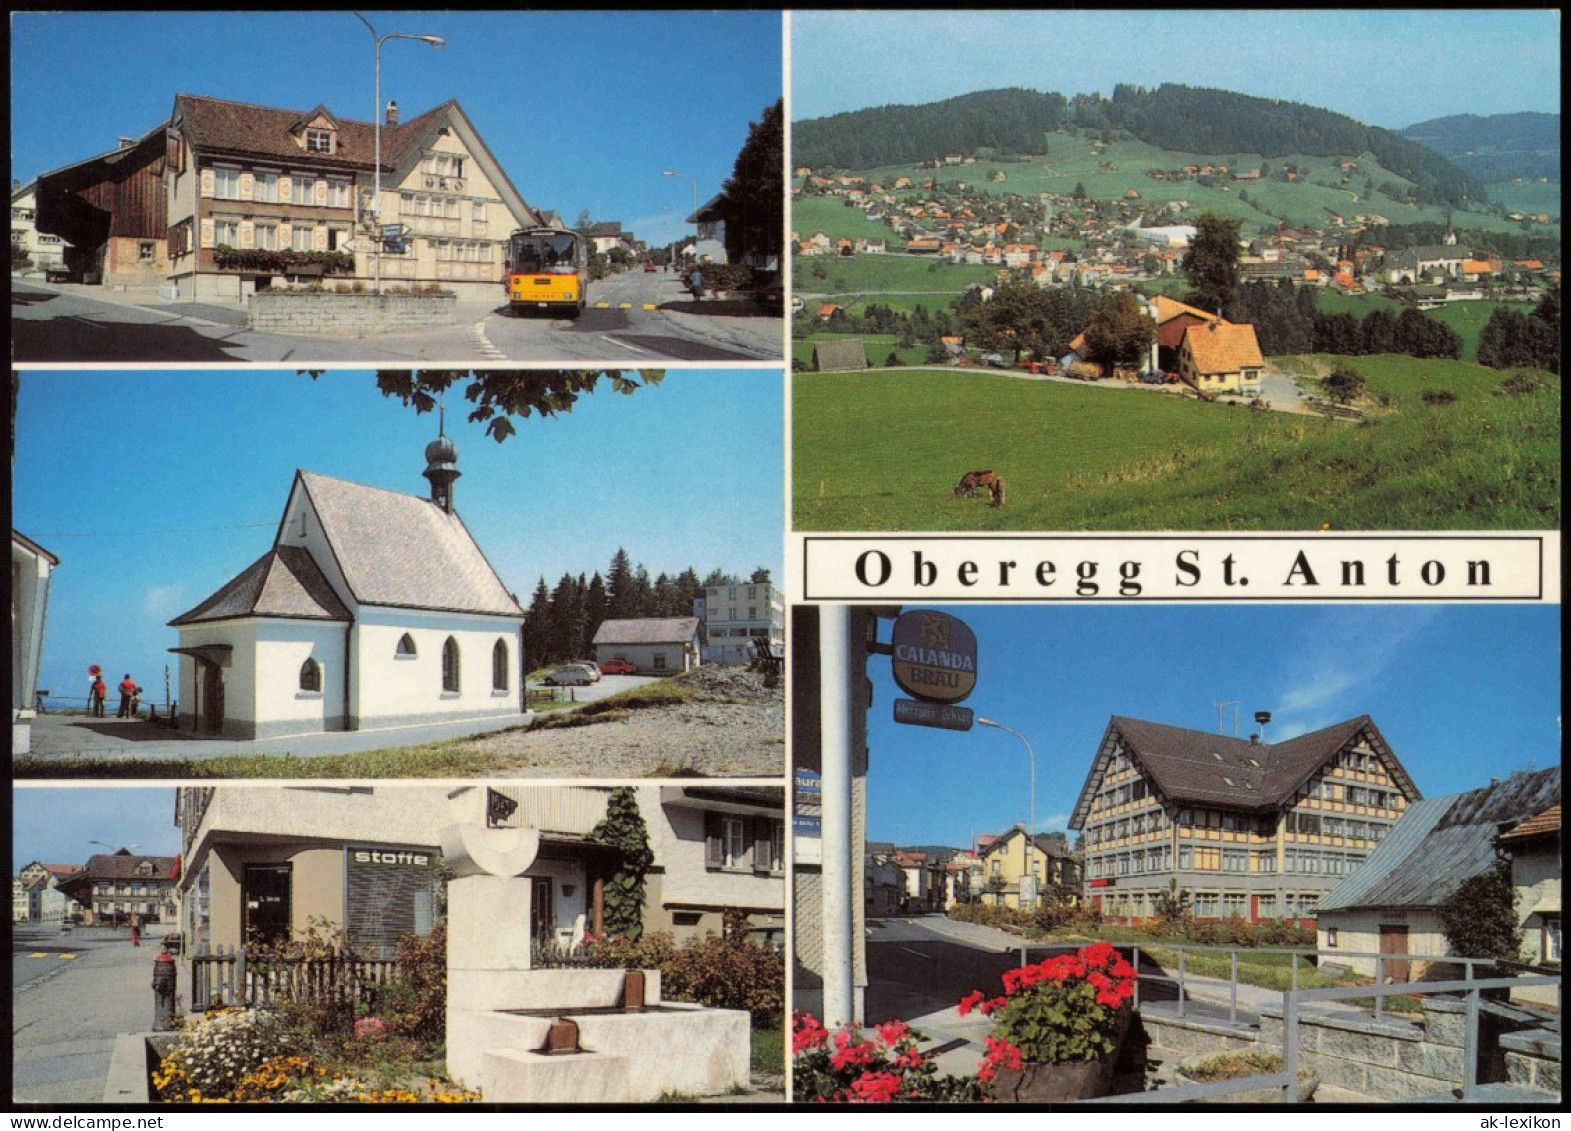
(376, 125)
(1031, 813)
(689, 176)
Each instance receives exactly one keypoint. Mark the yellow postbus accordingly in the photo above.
(547, 269)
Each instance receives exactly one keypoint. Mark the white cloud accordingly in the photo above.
(1350, 651)
(163, 600)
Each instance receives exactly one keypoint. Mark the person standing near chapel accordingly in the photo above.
(127, 691)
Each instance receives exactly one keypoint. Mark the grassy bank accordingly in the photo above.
(883, 451)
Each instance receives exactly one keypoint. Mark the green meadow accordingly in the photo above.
(883, 450)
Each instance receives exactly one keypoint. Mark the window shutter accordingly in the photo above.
(247, 186)
(714, 851)
(321, 192)
(286, 235)
(247, 233)
(207, 182)
(763, 846)
(286, 188)
(207, 231)
(319, 238)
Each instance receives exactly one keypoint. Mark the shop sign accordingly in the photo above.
(934, 656)
(940, 715)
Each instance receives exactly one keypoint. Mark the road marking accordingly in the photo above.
(602, 305)
(918, 953)
(484, 345)
(650, 306)
(627, 346)
(624, 306)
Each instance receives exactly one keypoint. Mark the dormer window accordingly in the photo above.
(318, 141)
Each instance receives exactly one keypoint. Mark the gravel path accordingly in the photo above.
(697, 739)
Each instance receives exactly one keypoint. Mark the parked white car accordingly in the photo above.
(569, 675)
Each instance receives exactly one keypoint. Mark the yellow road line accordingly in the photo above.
(601, 305)
(649, 306)
(625, 306)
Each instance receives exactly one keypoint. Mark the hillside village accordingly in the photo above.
(1062, 239)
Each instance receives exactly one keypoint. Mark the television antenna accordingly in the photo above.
(1221, 706)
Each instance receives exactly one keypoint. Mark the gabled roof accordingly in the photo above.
(1441, 842)
(284, 582)
(123, 866)
(1223, 347)
(1170, 308)
(218, 125)
(647, 630)
(403, 551)
(1202, 768)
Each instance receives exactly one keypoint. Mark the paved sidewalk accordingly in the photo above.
(64, 1027)
(60, 736)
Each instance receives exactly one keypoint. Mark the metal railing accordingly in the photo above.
(1295, 997)
(1181, 978)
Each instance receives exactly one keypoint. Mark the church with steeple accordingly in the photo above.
(371, 609)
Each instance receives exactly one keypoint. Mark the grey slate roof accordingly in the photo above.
(284, 582)
(404, 551)
(1441, 842)
(648, 630)
(1203, 768)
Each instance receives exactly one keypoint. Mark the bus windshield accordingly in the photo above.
(539, 253)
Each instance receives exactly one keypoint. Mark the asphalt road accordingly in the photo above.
(635, 318)
(66, 1012)
(913, 970)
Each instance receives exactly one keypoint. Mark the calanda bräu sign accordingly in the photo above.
(934, 656)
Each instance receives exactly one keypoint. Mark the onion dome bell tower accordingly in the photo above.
(441, 466)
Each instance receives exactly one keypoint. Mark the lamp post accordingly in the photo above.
(1031, 813)
(674, 173)
(376, 123)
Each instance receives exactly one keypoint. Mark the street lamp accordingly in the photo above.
(1031, 813)
(376, 123)
(674, 173)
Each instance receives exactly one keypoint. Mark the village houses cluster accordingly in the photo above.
(1130, 240)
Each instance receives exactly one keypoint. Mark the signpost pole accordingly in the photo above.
(838, 700)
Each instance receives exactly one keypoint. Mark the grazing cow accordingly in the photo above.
(997, 489)
(972, 482)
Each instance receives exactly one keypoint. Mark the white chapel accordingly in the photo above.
(372, 609)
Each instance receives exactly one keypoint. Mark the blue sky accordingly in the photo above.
(583, 109)
(1385, 68)
(1462, 693)
(56, 824)
(155, 488)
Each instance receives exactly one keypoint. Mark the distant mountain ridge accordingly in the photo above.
(1171, 116)
(1495, 147)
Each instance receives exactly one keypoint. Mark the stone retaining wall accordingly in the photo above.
(1533, 1059)
(285, 312)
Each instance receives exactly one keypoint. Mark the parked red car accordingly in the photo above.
(617, 666)
(648, 266)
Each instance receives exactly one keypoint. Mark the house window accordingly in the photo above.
(1330, 936)
(301, 189)
(499, 666)
(478, 215)
(450, 665)
(226, 230)
(319, 141)
(226, 184)
(300, 237)
(406, 647)
(734, 841)
(337, 193)
(310, 676)
(144, 251)
(267, 236)
(1552, 938)
(659, 662)
(266, 189)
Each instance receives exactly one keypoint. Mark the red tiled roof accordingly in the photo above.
(1546, 823)
(1223, 347)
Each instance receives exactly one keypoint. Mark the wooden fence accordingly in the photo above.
(230, 976)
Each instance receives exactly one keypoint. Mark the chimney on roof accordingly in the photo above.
(124, 142)
(1254, 740)
(392, 112)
